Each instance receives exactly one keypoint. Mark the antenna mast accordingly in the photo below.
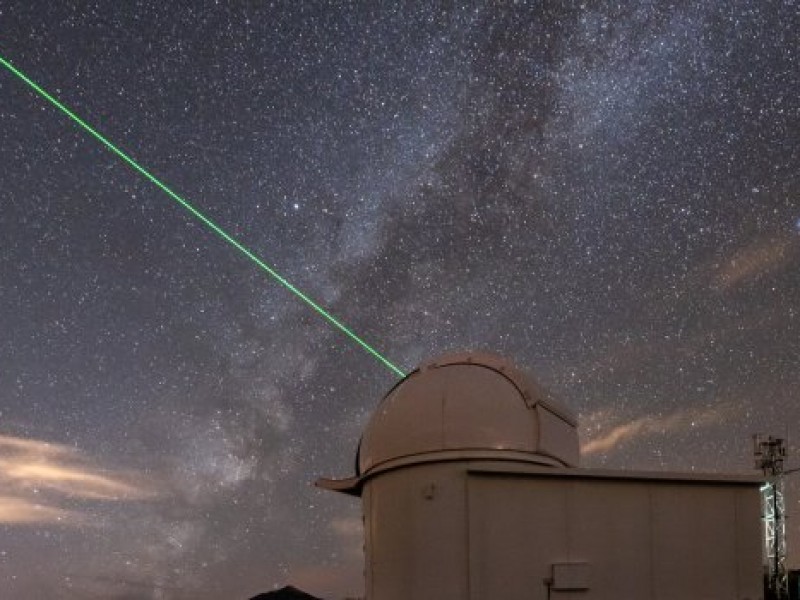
(770, 455)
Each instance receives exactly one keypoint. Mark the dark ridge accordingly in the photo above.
(285, 593)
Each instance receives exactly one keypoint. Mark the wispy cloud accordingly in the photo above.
(336, 580)
(350, 533)
(37, 477)
(22, 510)
(753, 261)
(607, 433)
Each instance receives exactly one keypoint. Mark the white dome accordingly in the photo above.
(468, 402)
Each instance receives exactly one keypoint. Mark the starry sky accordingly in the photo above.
(608, 193)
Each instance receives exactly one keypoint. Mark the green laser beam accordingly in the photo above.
(204, 219)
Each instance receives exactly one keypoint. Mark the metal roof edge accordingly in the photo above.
(517, 469)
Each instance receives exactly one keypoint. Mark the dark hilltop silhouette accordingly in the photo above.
(285, 593)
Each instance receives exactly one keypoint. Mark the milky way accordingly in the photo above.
(607, 194)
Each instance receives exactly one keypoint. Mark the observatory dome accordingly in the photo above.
(468, 405)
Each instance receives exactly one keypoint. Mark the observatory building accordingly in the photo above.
(471, 490)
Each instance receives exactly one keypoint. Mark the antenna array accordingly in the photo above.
(770, 455)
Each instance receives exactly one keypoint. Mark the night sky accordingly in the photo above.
(606, 193)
